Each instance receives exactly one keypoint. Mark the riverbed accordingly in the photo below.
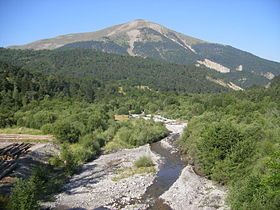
(174, 185)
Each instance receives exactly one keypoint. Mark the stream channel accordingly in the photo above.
(169, 171)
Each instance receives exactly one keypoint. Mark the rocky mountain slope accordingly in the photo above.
(148, 39)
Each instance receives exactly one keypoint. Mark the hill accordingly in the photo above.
(148, 39)
(108, 68)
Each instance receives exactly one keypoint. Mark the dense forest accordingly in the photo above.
(231, 137)
(132, 71)
(234, 140)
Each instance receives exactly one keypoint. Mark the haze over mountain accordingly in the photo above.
(148, 39)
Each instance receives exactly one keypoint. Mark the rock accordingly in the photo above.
(97, 175)
(196, 191)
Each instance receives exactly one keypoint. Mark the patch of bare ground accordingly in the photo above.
(97, 184)
(25, 163)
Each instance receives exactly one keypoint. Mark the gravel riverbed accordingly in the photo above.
(95, 187)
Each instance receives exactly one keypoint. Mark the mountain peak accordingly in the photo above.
(140, 23)
(130, 29)
(140, 20)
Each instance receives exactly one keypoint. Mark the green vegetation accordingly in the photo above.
(141, 166)
(231, 57)
(136, 133)
(41, 185)
(234, 140)
(232, 137)
(143, 162)
(109, 68)
(105, 46)
(20, 130)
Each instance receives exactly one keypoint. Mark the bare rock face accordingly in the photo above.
(213, 65)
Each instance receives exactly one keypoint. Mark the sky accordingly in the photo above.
(249, 25)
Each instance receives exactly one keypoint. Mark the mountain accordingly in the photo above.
(148, 39)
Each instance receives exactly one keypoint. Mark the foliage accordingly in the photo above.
(23, 196)
(136, 133)
(234, 140)
(66, 132)
(87, 65)
(227, 56)
(108, 46)
(27, 193)
(4, 199)
(143, 162)
(258, 191)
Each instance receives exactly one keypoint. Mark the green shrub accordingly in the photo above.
(43, 117)
(224, 151)
(66, 131)
(143, 162)
(252, 193)
(92, 141)
(47, 128)
(23, 196)
(136, 133)
(43, 182)
(69, 160)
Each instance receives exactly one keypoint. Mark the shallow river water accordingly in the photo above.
(168, 173)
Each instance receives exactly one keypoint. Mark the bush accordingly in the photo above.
(143, 162)
(69, 160)
(42, 183)
(66, 132)
(252, 193)
(47, 128)
(137, 133)
(223, 151)
(23, 196)
(43, 117)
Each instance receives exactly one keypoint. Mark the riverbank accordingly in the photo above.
(177, 186)
(191, 191)
(95, 186)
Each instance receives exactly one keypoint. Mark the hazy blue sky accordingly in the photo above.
(250, 25)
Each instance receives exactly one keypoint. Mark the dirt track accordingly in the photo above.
(19, 137)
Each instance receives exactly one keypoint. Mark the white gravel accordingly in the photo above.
(191, 192)
(94, 188)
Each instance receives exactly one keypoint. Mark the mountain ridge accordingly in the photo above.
(88, 36)
(147, 39)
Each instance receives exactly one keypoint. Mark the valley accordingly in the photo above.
(137, 116)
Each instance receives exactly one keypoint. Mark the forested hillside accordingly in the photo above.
(231, 138)
(132, 71)
(234, 140)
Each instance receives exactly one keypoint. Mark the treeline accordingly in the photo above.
(126, 70)
(19, 86)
